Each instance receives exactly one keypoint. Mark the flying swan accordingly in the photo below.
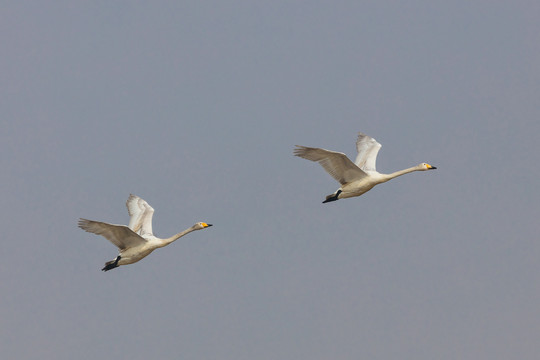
(136, 240)
(358, 177)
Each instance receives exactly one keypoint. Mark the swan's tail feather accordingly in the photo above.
(109, 265)
(332, 197)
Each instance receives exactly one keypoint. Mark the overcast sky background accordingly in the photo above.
(196, 107)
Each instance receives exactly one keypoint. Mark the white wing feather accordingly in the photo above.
(337, 164)
(368, 148)
(120, 235)
(141, 214)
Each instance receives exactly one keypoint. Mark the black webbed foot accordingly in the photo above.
(332, 197)
(111, 264)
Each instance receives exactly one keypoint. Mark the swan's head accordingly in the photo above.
(424, 166)
(201, 225)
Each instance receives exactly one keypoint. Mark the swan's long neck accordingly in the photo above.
(400, 172)
(177, 236)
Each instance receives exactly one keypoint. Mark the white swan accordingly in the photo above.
(358, 177)
(136, 240)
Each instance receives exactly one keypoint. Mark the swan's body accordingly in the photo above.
(136, 240)
(358, 177)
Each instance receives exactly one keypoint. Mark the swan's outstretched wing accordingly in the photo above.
(140, 215)
(337, 164)
(367, 148)
(120, 235)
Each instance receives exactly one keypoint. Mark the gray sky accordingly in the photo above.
(196, 107)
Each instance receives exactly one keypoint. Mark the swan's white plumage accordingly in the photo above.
(367, 148)
(358, 177)
(120, 235)
(337, 164)
(136, 240)
(141, 214)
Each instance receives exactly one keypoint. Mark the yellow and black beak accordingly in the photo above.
(431, 167)
(206, 225)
